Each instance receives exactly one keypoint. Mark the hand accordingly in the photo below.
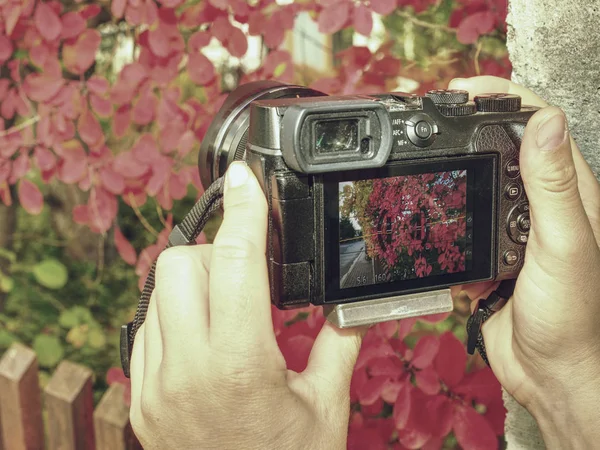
(544, 345)
(206, 371)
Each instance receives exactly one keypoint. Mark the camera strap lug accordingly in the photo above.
(485, 308)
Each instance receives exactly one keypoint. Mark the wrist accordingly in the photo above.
(567, 410)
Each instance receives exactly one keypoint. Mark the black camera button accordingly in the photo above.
(524, 208)
(524, 223)
(512, 191)
(511, 257)
(512, 168)
(423, 130)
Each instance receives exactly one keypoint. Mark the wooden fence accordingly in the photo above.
(67, 421)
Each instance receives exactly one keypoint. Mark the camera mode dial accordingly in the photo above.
(455, 110)
(448, 96)
(498, 103)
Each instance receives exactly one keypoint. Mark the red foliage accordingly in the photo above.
(65, 119)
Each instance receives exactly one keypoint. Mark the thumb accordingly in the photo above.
(239, 296)
(550, 180)
(331, 362)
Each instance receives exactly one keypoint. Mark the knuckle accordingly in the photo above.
(175, 256)
(235, 246)
(148, 407)
(559, 179)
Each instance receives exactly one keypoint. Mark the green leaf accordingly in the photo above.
(96, 338)
(279, 69)
(75, 316)
(49, 350)
(51, 273)
(6, 283)
(6, 339)
(7, 254)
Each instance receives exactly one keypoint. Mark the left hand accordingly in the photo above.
(206, 371)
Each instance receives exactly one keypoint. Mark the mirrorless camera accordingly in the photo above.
(378, 203)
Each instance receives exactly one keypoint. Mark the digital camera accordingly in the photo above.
(372, 198)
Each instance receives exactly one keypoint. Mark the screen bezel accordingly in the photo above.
(481, 179)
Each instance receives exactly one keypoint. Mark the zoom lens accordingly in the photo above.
(226, 137)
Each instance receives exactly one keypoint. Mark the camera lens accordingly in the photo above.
(226, 137)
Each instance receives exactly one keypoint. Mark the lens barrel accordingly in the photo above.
(226, 138)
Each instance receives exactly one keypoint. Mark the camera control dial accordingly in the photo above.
(448, 96)
(498, 102)
(421, 130)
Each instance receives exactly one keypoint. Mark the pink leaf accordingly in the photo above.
(363, 20)
(89, 129)
(41, 88)
(405, 327)
(474, 26)
(472, 431)
(237, 43)
(334, 17)
(128, 166)
(198, 41)
(98, 85)
(102, 210)
(121, 120)
(402, 406)
(124, 248)
(451, 359)
(370, 392)
(30, 197)
(145, 149)
(80, 214)
(80, 55)
(44, 158)
(47, 22)
(383, 7)
(112, 181)
(72, 25)
(427, 380)
(425, 351)
(117, 8)
(145, 108)
(159, 42)
(201, 70)
(72, 170)
(101, 106)
(6, 49)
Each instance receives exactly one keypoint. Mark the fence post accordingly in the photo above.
(70, 406)
(20, 400)
(111, 419)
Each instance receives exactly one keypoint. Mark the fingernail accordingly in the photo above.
(237, 174)
(456, 81)
(551, 132)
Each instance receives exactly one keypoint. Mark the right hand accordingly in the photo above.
(544, 345)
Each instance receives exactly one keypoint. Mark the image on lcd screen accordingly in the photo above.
(403, 227)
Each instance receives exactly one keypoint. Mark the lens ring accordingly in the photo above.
(226, 137)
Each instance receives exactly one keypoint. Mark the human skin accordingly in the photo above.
(206, 371)
(544, 345)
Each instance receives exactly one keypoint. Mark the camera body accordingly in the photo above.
(379, 196)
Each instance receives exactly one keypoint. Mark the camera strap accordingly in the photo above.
(485, 308)
(183, 234)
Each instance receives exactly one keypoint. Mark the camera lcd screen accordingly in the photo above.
(403, 227)
(333, 136)
(408, 227)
